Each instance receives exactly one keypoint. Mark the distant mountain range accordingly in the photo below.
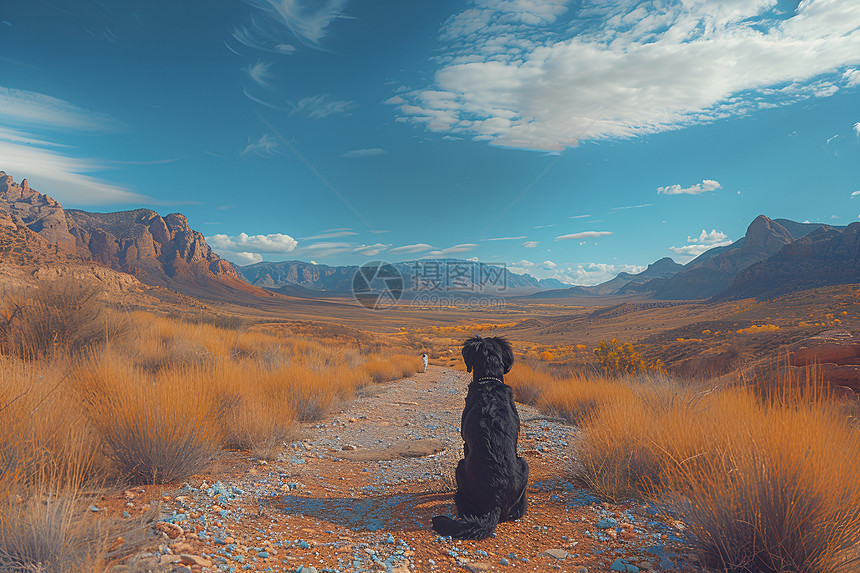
(774, 257)
(424, 276)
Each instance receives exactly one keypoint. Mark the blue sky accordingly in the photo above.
(567, 139)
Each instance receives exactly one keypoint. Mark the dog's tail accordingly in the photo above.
(469, 527)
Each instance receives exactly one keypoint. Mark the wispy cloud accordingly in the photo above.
(625, 207)
(411, 249)
(26, 108)
(259, 72)
(368, 152)
(371, 250)
(583, 235)
(531, 244)
(266, 146)
(543, 76)
(462, 248)
(587, 274)
(50, 166)
(855, 194)
(506, 238)
(705, 186)
(331, 234)
(579, 216)
(320, 106)
(857, 128)
(272, 21)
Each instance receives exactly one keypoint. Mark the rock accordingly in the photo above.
(172, 530)
(646, 565)
(190, 559)
(622, 565)
(556, 553)
(477, 566)
(606, 523)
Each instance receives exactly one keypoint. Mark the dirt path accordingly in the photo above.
(358, 493)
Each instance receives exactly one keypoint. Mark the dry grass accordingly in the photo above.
(59, 316)
(765, 479)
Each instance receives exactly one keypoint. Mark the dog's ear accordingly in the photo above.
(506, 353)
(470, 350)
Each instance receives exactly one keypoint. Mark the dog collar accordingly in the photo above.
(488, 378)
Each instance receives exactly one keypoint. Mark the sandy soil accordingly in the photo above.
(358, 492)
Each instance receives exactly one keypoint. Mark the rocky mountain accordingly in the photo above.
(161, 251)
(623, 283)
(420, 276)
(714, 270)
(826, 256)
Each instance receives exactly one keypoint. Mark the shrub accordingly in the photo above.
(616, 359)
(62, 315)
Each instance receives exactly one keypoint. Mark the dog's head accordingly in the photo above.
(488, 356)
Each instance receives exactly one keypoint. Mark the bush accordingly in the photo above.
(617, 359)
(62, 315)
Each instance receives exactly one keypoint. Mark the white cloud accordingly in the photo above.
(855, 194)
(61, 176)
(330, 234)
(259, 72)
(531, 244)
(704, 242)
(515, 74)
(712, 238)
(704, 187)
(266, 146)
(307, 21)
(21, 107)
(409, 249)
(369, 152)
(579, 216)
(243, 258)
(624, 208)
(462, 248)
(587, 274)
(371, 250)
(852, 78)
(856, 128)
(506, 238)
(272, 243)
(583, 235)
(548, 265)
(320, 106)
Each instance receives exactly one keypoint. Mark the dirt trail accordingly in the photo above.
(358, 493)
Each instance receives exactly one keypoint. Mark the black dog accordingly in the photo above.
(491, 479)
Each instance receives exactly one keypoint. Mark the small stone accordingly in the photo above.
(171, 530)
(189, 559)
(348, 448)
(94, 508)
(556, 553)
(646, 565)
(621, 565)
(504, 561)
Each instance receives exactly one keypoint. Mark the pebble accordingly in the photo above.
(556, 553)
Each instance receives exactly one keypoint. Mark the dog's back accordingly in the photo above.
(491, 479)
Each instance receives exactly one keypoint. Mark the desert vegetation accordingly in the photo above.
(92, 396)
(762, 477)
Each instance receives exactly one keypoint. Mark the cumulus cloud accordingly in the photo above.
(542, 75)
(272, 243)
(243, 258)
(548, 265)
(704, 242)
(587, 274)
(410, 249)
(851, 77)
(271, 20)
(531, 244)
(320, 106)
(704, 187)
(583, 235)
(368, 152)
